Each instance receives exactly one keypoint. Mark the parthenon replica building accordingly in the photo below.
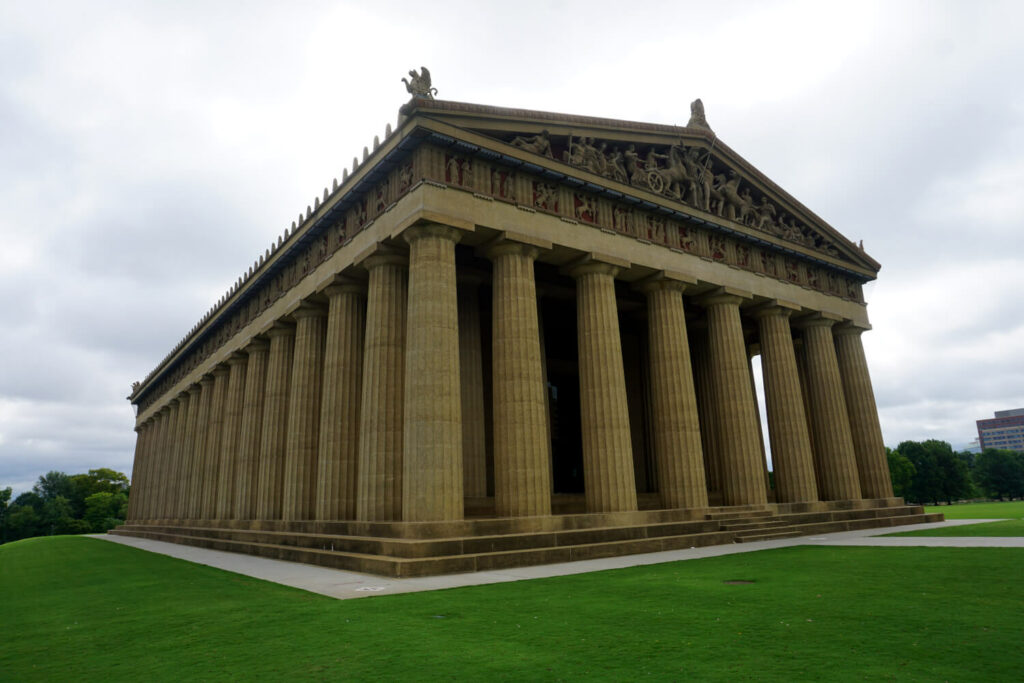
(513, 337)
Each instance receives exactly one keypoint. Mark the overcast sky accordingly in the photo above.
(149, 152)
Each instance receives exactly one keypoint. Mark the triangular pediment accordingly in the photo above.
(689, 167)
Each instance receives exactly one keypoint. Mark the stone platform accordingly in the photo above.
(407, 549)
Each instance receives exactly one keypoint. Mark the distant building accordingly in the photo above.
(1004, 431)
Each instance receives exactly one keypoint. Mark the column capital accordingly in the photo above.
(775, 307)
(257, 344)
(723, 295)
(343, 284)
(379, 254)
(596, 263)
(665, 280)
(308, 309)
(281, 328)
(817, 319)
(509, 241)
(419, 230)
(194, 389)
(850, 327)
(206, 381)
(220, 371)
(238, 357)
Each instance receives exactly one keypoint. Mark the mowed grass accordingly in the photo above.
(1001, 510)
(85, 609)
(1007, 527)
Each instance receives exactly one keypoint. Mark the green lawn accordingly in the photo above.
(1007, 527)
(85, 609)
(1005, 510)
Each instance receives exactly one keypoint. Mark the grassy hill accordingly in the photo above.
(84, 609)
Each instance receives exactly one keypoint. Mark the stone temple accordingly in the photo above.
(513, 337)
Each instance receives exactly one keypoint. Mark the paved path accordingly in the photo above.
(344, 584)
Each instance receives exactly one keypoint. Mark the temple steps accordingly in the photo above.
(404, 549)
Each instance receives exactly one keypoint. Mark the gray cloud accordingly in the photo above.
(149, 153)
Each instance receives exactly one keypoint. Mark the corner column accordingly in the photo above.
(835, 461)
(379, 496)
(275, 421)
(522, 447)
(676, 426)
(872, 464)
(742, 470)
(339, 410)
(787, 422)
(607, 444)
(299, 495)
(432, 452)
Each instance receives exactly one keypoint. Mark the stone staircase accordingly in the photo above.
(398, 549)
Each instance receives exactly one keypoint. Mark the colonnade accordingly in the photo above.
(368, 403)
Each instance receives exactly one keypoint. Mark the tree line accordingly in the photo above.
(60, 503)
(932, 472)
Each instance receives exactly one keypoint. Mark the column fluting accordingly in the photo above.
(300, 469)
(834, 458)
(675, 423)
(275, 421)
(522, 447)
(247, 467)
(342, 391)
(189, 461)
(742, 470)
(432, 449)
(868, 446)
(229, 442)
(214, 440)
(379, 474)
(607, 445)
(787, 423)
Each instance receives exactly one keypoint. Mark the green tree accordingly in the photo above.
(103, 509)
(23, 522)
(938, 473)
(902, 472)
(5, 500)
(57, 516)
(1000, 473)
(53, 484)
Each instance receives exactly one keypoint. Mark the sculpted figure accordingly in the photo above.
(765, 215)
(631, 161)
(717, 204)
(592, 159)
(731, 196)
(653, 160)
(697, 118)
(538, 144)
(616, 167)
(419, 86)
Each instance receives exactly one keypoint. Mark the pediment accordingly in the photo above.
(688, 166)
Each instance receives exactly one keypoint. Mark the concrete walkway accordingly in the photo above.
(344, 584)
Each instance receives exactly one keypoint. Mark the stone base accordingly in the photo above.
(405, 549)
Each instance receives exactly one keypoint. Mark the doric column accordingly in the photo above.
(834, 458)
(379, 474)
(214, 439)
(522, 447)
(154, 474)
(189, 462)
(229, 440)
(787, 423)
(275, 421)
(704, 388)
(471, 373)
(179, 468)
(165, 484)
(148, 466)
(872, 463)
(143, 433)
(339, 412)
(196, 483)
(247, 466)
(299, 495)
(742, 470)
(607, 446)
(676, 426)
(432, 449)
